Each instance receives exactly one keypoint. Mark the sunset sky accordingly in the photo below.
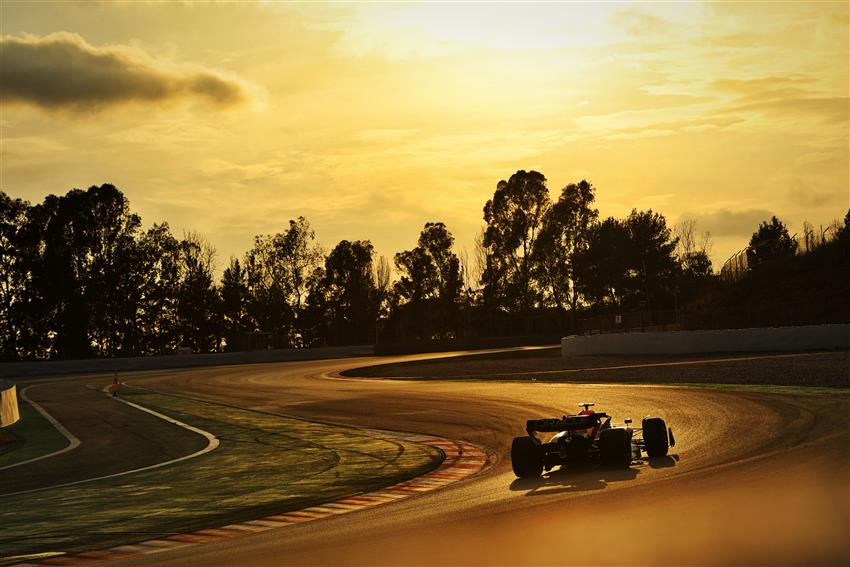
(371, 119)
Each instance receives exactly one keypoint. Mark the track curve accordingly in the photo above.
(758, 478)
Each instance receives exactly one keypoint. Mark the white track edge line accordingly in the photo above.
(73, 442)
(212, 444)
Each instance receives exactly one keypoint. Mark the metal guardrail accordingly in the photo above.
(735, 267)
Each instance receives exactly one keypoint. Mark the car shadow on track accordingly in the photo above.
(662, 462)
(585, 478)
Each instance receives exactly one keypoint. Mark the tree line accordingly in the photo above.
(80, 277)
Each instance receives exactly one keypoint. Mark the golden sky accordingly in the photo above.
(371, 119)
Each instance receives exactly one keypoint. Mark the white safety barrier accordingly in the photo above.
(8, 404)
(773, 339)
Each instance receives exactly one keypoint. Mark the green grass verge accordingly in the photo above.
(33, 436)
(265, 464)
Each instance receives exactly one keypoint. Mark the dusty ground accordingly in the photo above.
(819, 369)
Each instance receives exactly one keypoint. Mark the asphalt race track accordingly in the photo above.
(106, 432)
(755, 478)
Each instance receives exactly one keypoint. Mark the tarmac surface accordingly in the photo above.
(114, 438)
(755, 478)
(829, 369)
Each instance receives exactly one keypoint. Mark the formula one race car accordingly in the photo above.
(587, 437)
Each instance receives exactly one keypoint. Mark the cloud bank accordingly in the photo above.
(727, 222)
(63, 71)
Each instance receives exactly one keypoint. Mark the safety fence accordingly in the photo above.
(735, 267)
(812, 238)
(661, 320)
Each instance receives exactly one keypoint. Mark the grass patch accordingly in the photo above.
(265, 464)
(32, 436)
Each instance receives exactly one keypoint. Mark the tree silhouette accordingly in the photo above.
(629, 263)
(383, 285)
(770, 242)
(693, 258)
(197, 303)
(80, 245)
(602, 268)
(269, 289)
(80, 278)
(13, 276)
(315, 319)
(844, 231)
(300, 255)
(565, 235)
(514, 218)
(348, 294)
(234, 302)
(418, 275)
(431, 273)
(438, 242)
(113, 291)
(158, 253)
(279, 269)
(652, 262)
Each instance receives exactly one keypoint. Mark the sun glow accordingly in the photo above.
(403, 113)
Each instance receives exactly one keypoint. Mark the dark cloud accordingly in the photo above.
(783, 97)
(726, 222)
(63, 71)
(831, 109)
(763, 87)
(804, 195)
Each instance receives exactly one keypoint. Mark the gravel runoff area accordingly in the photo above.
(829, 369)
(265, 464)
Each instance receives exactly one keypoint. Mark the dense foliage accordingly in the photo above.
(80, 277)
(770, 242)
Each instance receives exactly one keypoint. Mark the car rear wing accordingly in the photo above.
(566, 423)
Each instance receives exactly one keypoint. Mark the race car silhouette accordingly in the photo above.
(585, 437)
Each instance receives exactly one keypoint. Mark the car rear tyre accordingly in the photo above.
(655, 436)
(615, 447)
(526, 458)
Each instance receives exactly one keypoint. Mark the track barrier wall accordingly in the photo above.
(8, 404)
(773, 339)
